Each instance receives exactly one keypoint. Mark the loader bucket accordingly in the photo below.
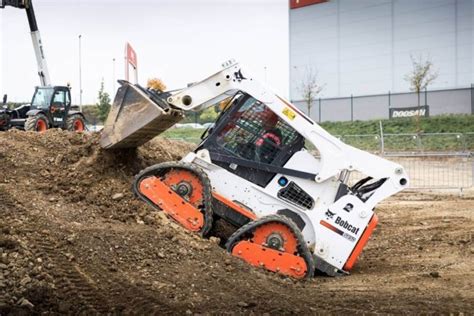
(136, 116)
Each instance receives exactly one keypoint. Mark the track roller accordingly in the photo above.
(275, 243)
(182, 190)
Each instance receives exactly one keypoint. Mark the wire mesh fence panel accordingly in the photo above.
(431, 160)
(401, 143)
(442, 142)
(433, 172)
(438, 172)
(428, 142)
(369, 142)
(468, 139)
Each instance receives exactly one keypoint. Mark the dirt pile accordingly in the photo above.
(73, 239)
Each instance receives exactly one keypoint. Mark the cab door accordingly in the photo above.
(58, 107)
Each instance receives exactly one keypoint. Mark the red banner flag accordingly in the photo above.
(131, 55)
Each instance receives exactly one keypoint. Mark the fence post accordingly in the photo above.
(426, 96)
(352, 108)
(389, 102)
(319, 110)
(382, 142)
(472, 98)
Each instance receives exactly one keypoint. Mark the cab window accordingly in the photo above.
(60, 98)
(42, 98)
(254, 132)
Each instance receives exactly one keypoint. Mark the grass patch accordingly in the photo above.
(435, 124)
(366, 134)
(192, 135)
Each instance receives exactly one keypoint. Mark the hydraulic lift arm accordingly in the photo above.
(35, 36)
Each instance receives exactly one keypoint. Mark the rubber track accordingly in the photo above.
(159, 170)
(303, 250)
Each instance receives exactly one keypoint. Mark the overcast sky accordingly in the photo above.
(179, 41)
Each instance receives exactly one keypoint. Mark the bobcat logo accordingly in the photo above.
(330, 214)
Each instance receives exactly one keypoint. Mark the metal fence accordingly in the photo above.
(432, 160)
(438, 171)
(370, 107)
(421, 143)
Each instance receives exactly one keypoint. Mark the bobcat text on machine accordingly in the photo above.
(265, 167)
(51, 105)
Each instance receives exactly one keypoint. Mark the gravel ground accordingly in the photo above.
(73, 239)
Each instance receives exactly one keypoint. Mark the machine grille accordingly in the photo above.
(296, 195)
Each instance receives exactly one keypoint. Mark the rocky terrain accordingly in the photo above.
(73, 239)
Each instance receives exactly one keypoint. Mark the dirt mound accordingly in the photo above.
(73, 239)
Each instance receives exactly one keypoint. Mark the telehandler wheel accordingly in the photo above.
(275, 243)
(181, 190)
(36, 123)
(4, 122)
(75, 123)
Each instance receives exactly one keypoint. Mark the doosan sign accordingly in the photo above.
(410, 111)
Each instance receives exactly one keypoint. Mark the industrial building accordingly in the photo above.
(364, 48)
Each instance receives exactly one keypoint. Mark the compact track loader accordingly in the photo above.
(264, 167)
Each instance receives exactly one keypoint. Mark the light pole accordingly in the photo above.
(113, 74)
(80, 74)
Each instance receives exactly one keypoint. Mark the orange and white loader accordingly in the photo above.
(264, 167)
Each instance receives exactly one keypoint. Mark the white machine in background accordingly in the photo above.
(264, 167)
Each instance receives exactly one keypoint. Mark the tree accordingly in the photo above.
(310, 88)
(421, 75)
(103, 105)
(208, 115)
(91, 112)
(420, 78)
(156, 84)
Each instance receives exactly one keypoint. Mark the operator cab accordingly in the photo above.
(250, 140)
(53, 101)
(46, 97)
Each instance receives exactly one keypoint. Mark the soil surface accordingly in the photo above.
(73, 239)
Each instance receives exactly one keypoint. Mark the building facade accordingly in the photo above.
(364, 47)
